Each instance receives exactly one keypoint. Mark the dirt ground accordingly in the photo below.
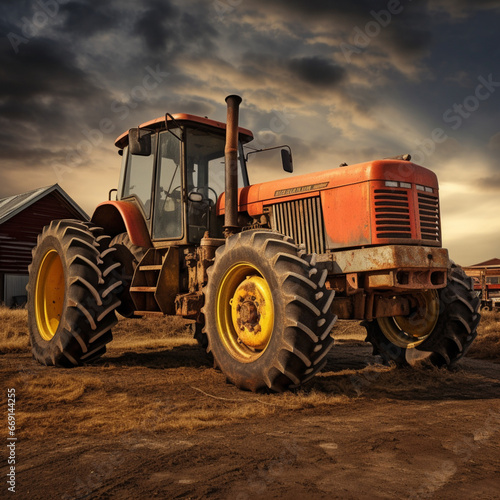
(153, 419)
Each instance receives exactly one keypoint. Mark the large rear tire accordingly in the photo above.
(267, 312)
(71, 294)
(442, 332)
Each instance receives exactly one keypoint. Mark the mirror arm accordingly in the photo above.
(167, 116)
(268, 149)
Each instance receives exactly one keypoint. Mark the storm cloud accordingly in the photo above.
(340, 81)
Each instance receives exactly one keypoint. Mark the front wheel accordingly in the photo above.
(441, 326)
(267, 312)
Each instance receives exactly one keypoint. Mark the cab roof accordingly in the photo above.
(184, 119)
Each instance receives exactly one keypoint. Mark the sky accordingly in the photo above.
(339, 81)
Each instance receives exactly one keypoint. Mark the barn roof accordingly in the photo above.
(22, 219)
(488, 263)
(14, 204)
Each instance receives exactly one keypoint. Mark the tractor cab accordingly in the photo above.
(173, 170)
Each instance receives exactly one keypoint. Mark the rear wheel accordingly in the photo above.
(267, 312)
(440, 327)
(129, 256)
(71, 294)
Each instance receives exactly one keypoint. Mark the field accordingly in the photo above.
(153, 419)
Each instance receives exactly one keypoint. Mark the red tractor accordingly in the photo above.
(263, 270)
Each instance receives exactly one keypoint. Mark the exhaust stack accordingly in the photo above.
(231, 159)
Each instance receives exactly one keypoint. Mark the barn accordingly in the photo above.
(22, 218)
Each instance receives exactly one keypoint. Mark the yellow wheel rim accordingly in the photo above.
(49, 294)
(410, 331)
(245, 312)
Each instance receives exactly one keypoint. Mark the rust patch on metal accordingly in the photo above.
(390, 306)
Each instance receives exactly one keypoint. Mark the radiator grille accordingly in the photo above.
(303, 221)
(428, 207)
(392, 214)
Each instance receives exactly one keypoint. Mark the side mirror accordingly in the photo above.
(139, 142)
(286, 160)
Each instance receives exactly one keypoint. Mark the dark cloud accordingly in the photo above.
(163, 26)
(410, 32)
(465, 8)
(316, 71)
(194, 30)
(46, 100)
(362, 9)
(153, 24)
(83, 18)
(406, 29)
(327, 8)
(42, 67)
(13, 10)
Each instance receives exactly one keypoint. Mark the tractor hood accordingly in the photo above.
(252, 199)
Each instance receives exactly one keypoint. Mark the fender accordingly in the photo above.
(116, 217)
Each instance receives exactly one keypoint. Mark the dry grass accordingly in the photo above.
(153, 332)
(168, 331)
(72, 402)
(487, 343)
(349, 330)
(14, 335)
(146, 333)
(180, 392)
(103, 401)
(153, 327)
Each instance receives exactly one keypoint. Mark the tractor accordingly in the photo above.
(262, 271)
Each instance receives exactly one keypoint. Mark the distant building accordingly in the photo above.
(486, 276)
(493, 266)
(22, 218)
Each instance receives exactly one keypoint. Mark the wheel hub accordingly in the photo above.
(250, 314)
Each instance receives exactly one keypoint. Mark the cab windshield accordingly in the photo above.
(205, 163)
